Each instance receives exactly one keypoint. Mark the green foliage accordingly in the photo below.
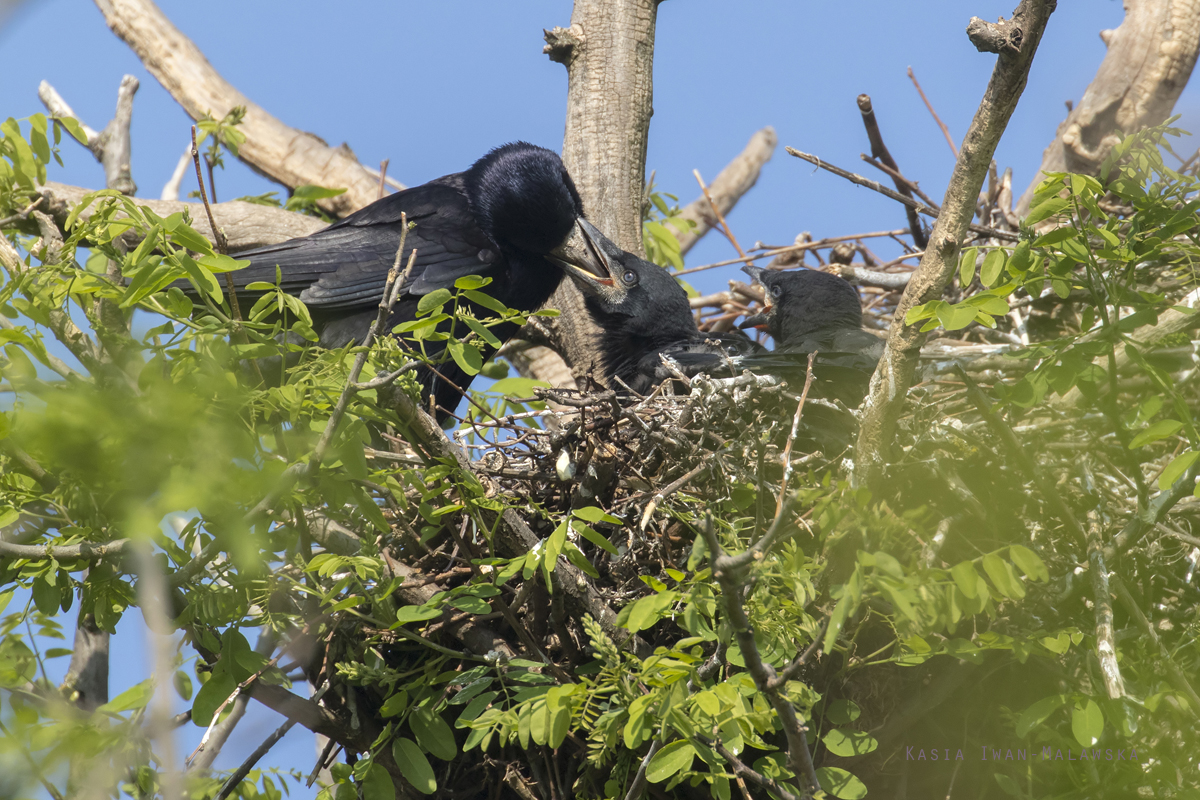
(662, 242)
(196, 440)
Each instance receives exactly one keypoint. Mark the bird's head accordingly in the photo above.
(798, 302)
(524, 200)
(638, 296)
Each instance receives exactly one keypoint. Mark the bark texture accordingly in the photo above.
(1150, 58)
(892, 378)
(609, 54)
(281, 153)
(738, 177)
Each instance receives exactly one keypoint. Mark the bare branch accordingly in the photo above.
(899, 198)
(891, 380)
(1149, 61)
(737, 178)
(111, 146)
(278, 151)
(880, 151)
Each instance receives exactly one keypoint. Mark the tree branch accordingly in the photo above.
(737, 178)
(1150, 58)
(889, 385)
(282, 153)
(246, 225)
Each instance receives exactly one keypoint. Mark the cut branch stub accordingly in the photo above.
(994, 37)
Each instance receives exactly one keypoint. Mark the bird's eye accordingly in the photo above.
(630, 277)
(776, 292)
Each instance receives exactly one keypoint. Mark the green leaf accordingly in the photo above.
(593, 515)
(840, 783)
(1037, 713)
(1021, 259)
(378, 785)
(185, 236)
(1179, 465)
(136, 696)
(646, 611)
(472, 282)
(1087, 723)
(595, 538)
(470, 604)
(482, 331)
(843, 712)
(1029, 562)
(966, 266)
(1046, 209)
(408, 614)
(1056, 236)
(74, 128)
(467, 356)
(488, 302)
(846, 743)
(966, 578)
(435, 299)
(993, 266)
(1159, 430)
(433, 733)
(1003, 577)
(414, 766)
(671, 759)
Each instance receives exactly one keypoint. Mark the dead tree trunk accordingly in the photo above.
(1150, 58)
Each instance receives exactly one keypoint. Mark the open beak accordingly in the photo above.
(758, 320)
(581, 256)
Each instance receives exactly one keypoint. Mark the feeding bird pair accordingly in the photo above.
(515, 217)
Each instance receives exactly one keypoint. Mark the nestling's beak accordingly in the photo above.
(754, 272)
(758, 320)
(762, 318)
(580, 254)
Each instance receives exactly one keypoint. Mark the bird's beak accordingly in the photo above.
(758, 320)
(754, 272)
(581, 255)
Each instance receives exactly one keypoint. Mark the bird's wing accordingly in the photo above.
(346, 264)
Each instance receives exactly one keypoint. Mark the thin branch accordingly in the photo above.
(241, 772)
(794, 248)
(1175, 675)
(945, 131)
(875, 186)
(84, 550)
(391, 292)
(888, 164)
(725, 571)
(892, 378)
(718, 215)
(638, 785)
(154, 601)
(383, 165)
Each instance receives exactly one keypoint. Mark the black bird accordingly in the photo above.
(514, 216)
(642, 314)
(807, 311)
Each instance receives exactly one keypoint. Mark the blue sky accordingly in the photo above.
(433, 85)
